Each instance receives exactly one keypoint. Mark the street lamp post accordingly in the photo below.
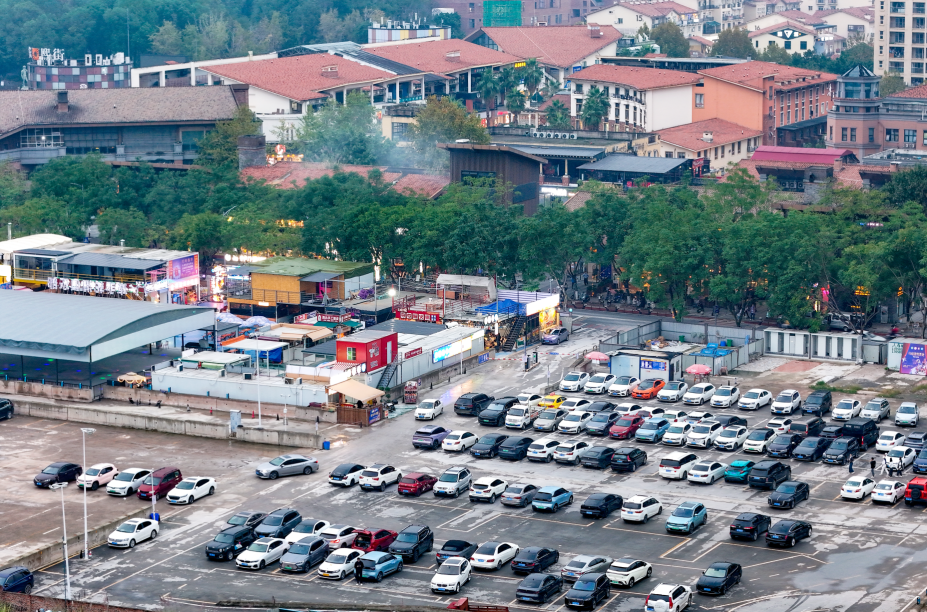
(392, 297)
(86, 431)
(64, 531)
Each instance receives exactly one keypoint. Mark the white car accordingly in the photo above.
(379, 476)
(875, 409)
(493, 555)
(191, 489)
(96, 475)
(575, 422)
(671, 598)
(623, 385)
(758, 440)
(640, 509)
(487, 488)
(697, 416)
(522, 417)
(339, 564)
(699, 394)
(574, 403)
(458, 441)
(543, 450)
(754, 399)
(725, 397)
(857, 487)
(707, 472)
(262, 553)
(677, 465)
(528, 398)
(889, 440)
(779, 425)
(628, 571)
(628, 408)
(673, 391)
(907, 414)
(453, 574)
(581, 565)
(704, 434)
(127, 482)
(599, 383)
(846, 409)
(675, 416)
(901, 457)
(731, 437)
(339, 536)
(888, 492)
(132, 532)
(428, 410)
(677, 433)
(787, 402)
(574, 381)
(570, 451)
(307, 527)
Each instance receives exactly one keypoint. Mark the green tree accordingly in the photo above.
(516, 102)
(203, 232)
(671, 40)
(595, 108)
(549, 242)
(532, 76)
(44, 215)
(343, 133)
(168, 40)
(131, 225)
(443, 120)
(734, 43)
(508, 81)
(550, 89)
(908, 186)
(775, 55)
(13, 188)
(557, 116)
(451, 19)
(219, 147)
(489, 87)
(891, 84)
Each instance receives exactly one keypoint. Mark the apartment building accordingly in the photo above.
(629, 17)
(900, 41)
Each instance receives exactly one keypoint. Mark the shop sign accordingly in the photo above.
(373, 415)
(420, 315)
(334, 318)
(92, 286)
(551, 301)
(652, 364)
(184, 267)
(413, 353)
(456, 348)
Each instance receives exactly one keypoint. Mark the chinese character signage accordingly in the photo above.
(652, 364)
(334, 318)
(413, 353)
(185, 267)
(913, 360)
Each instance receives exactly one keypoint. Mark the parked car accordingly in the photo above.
(625, 427)
(699, 394)
(672, 391)
(627, 459)
(805, 429)
(719, 577)
(857, 487)
(339, 563)
(599, 383)
(534, 559)
(687, 517)
(832, 432)
(597, 457)
(552, 400)
(493, 555)
(429, 436)
(788, 532)
(451, 576)
(640, 509)
(472, 404)
(817, 403)
(458, 441)
(529, 398)
(378, 565)
(307, 527)
(916, 440)
(522, 417)
(551, 499)
(889, 440)
(515, 448)
(189, 490)
(704, 434)
(677, 434)
(61, 471)
(278, 524)
(453, 482)
(731, 438)
(428, 410)
(127, 482)
(549, 419)
(246, 518)
(303, 554)
(601, 423)
(379, 476)
(574, 403)
(455, 548)
(628, 571)
(556, 336)
(543, 450)
(96, 475)
(413, 542)
(865, 430)
(622, 386)
(730, 420)
(758, 440)
(789, 494)
(779, 425)
(652, 430)
(697, 416)
(573, 381)
(159, 483)
(888, 491)
(769, 474)
(811, 449)
(488, 445)
(648, 389)
(588, 591)
(783, 445)
(582, 565)
(787, 402)
(725, 397)
(846, 409)
(346, 474)
(133, 531)
(600, 505)
(907, 415)
(707, 472)
(487, 488)
(575, 422)
(287, 465)
(677, 465)
(497, 411)
(754, 399)
(519, 494)
(539, 588)
(676, 598)
(739, 471)
(900, 457)
(16, 579)
(749, 526)
(876, 409)
(6, 412)
(841, 450)
(368, 540)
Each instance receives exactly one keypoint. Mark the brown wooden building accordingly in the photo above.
(517, 170)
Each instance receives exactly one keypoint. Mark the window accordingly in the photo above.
(788, 44)
(738, 146)
(542, 4)
(831, 132)
(891, 135)
(668, 154)
(925, 136)
(788, 116)
(843, 134)
(852, 134)
(681, 154)
(352, 354)
(897, 7)
(558, 19)
(576, 14)
(41, 137)
(471, 7)
(620, 20)
(190, 139)
(910, 136)
(699, 100)
(399, 131)
(803, 45)
(716, 152)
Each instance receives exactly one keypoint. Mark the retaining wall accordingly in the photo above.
(37, 389)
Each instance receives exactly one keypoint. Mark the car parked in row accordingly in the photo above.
(287, 465)
(451, 576)
(262, 553)
(534, 559)
(627, 459)
(739, 471)
(570, 451)
(96, 475)
(622, 386)
(413, 542)
(788, 533)
(415, 483)
(719, 577)
(515, 448)
(575, 422)
(789, 494)
(303, 554)
(907, 415)
(496, 413)
(191, 489)
(599, 383)
(759, 440)
(601, 423)
(368, 540)
(841, 450)
(346, 474)
(488, 445)
(159, 483)
(573, 381)
(551, 499)
(888, 492)
(677, 434)
(652, 430)
(846, 409)
(378, 565)
(754, 399)
(817, 403)
(549, 419)
(60, 471)
(707, 472)
(522, 417)
(640, 509)
(472, 404)
(519, 494)
(769, 474)
(127, 482)
(672, 391)
(704, 434)
(673, 597)
(487, 488)
(133, 531)
(453, 482)
(458, 441)
(677, 465)
(787, 402)
(648, 389)
(339, 564)
(699, 394)
(588, 591)
(493, 555)
(876, 409)
(581, 565)
(628, 571)
(731, 438)
(429, 436)
(455, 548)
(687, 517)
(749, 526)
(626, 427)
(229, 543)
(811, 449)
(539, 588)
(725, 397)
(601, 505)
(378, 476)
(857, 487)
(597, 457)
(305, 528)
(542, 450)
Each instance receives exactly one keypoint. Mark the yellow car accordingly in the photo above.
(552, 401)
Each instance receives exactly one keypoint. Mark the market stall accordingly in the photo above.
(355, 402)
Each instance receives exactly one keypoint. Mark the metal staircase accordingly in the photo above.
(515, 332)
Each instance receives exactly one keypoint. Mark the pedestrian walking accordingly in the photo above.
(872, 465)
(851, 465)
(358, 570)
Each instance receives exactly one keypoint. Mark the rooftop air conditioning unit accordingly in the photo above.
(180, 367)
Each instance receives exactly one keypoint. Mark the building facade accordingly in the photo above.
(49, 69)
(713, 143)
(900, 44)
(629, 17)
(495, 13)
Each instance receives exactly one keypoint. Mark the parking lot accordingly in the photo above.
(861, 556)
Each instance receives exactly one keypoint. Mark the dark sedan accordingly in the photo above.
(598, 457)
(455, 548)
(811, 449)
(841, 450)
(246, 519)
(628, 459)
(601, 423)
(783, 445)
(588, 591)
(539, 588)
(534, 559)
(727, 420)
(600, 505)
(789, 494)
(488, 445)
(495, 413)
(515, 448)
(58, 472)
(749, 526)
(788, 533)
(718, 578)
(600, 407)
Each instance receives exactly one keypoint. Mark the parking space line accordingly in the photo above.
(662, 535)
(144, 569)
(680, 545)
(781, 551)
(707, 551)
(773, 561)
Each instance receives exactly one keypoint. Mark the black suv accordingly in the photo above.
(841, 450)
(832, 432)
(769, 474)
(6, 411)
(495, 413)
(600, 505)
(229, 542)
(864, 430)
(587, 591)
(413, 542)
(278, 524)
(817, 403)
(749, 526)
(812, 427)
(472, 403)
(628, 459)
(811, 449)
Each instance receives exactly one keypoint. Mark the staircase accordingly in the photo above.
(515, 332)
(387, 377)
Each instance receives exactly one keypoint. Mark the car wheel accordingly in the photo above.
(755, 536)
(493, 498)
(549, 458)
(630, 582)
(634, 467)
(190, 500)
(570, 500)
(341, 575)
(723, 589)
(95, 486)
(456, 493)
(131, 543)
(649, 572)
(791, 542)
(660, 510)
(229, 555)
(646, 518)
(306, 471)
(273, 475)
(261, 566)
(414, 556)
(28, 588)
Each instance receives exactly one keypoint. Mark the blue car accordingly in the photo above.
(687, 517)
(739, 471)
(652, 430)
(16, 579)
(378, 564)
(551, 499)
(920, 462)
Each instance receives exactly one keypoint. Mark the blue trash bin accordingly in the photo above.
(326, 445)
(155, 516)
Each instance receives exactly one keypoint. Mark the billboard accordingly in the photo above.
(652, 364)
(185, 267)
(913, 360)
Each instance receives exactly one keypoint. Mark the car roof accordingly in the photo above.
(664, 588)
(677, 455)
(756, 390)
(746, 516)
(638, 498)
(285, 510)
(376, 555)
(164, 470)
(413, 528)
(416, 474)
(689, 504)
(788, 391)
(550, 488)
(454, 561)
(485, 479)
(337, 527)
(133, 521)
(100, 465)
(584, 558)
(720, 564)
(765, 463)
(59, 464)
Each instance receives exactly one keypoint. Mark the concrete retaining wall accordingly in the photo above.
(37, 389)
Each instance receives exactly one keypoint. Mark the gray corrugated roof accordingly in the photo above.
(318, 277)
(577, 152)
(44, 252)
(111, 261)
(633, 163)
(417, 328)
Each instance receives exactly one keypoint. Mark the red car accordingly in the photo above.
(369, 540)
(648, 389)
(625, 427)
(416, 483)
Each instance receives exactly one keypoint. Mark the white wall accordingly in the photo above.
(237, 388)
(668, 107)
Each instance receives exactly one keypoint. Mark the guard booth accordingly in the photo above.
(660, 365)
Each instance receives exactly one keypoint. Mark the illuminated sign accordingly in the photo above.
(334, 318)
(456, 348)
(652, 364)
(547, 303)
(520, 64)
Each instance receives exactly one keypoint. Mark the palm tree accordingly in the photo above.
(508, 80)
(550, 89)
(516, 103)
(532, 75)
(558, 116)
(489, 87)
(595, 107)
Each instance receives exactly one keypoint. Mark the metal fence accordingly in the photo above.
(641, 333)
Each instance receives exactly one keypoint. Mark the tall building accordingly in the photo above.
(900, 39)
(493, 13)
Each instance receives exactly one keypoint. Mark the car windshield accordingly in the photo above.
(598, 378)
(783, 439)
(184, 485)
(674, 386)
(715, 572)
(273, 521)
(623, 380)
(722, 392)
(426, 405)
(896, 452)
(125, 477)
(126, 528)
(874, 406)
(907, 409)
(729, 433)
(602, 417)
(224, 538)
(751, 395)
(624, 422)
(449, 569)
(490, 439)
(584, 585)
(51, 470)
(542, 496)
(677, 429)
(517, 412)
(548, 414)
(407, 537)
(337, 559)
(701, 429)
(787, 488)
(574, 416)
(650, 425)
(838, 445)
(93, 472)
(152, 481)
(448, 478)
(238, 519)
(757, 435)
(922, 454)
(571, 377)
(784, 398)
(277, 461)
(304, 528)
(299, 549)
(647, 384)
(684, 512)
(808, 443)
(845, 405)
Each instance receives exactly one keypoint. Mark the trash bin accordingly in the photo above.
(682, 338)
(154, 516)
(326, 445)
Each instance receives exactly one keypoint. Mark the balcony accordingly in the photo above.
(31, 275)
(116, 278)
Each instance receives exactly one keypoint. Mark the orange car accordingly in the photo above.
(648, 389)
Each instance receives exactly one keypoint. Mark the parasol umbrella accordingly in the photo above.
(698, 368)
(597, 356)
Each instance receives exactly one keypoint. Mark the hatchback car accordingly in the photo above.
(699, 394)
(581, 565)
(846, 409)
(707, 472)
(599, 383)
(429, 436)
(378, 476)
(687, 517)
(673, 597)
(515, 448)
(758, 440)
(451, 576)
(676, 434)
(488, 445)
(368, 540)
(346, 474)
(788, 533)
(519, 494)
(378, 565)
(339, 564)
(539, 588)
(415, 483)
(754, 399)
(739, 471)
(287, 465)
(534, 559)
(551, 499)
(570, 451)
(303, 554)
(725, 397)
(783, 445)
(278, 524)
(487, 488)
(648, 389)
(875, 409)
(573, 381)
(628, 459)
(588, 591)
(493, 555)
(718, 578)
(458, 441)
(133, 531)
(789, 494)
(16, 578)
(640, 509)
(749, 526)
(625, 427)
(672, 391)
(787, 402)
(857, 487)
(907, 415)
(888, 492)
(652, 430)
(841, 450)
(96, 475)
(428, 410)
(811, 449)
(600, 505)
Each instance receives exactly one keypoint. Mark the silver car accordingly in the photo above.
(287, 465)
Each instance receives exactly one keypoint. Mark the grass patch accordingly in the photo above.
(890, 393)
(823, 386)
(919, 389)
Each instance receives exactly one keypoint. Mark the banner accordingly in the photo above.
(184, 267)
(913, 360)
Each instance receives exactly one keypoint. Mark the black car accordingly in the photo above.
(788, 494)
(807, 429)
(749, 526)
(600, 406)
(865, 430)
(727, 420)
(534, 559)
(413, 542)
(588, 591)
(6, 412)
(60, 471)
(769, 474)
(787, 533)
(598, 457)
(246, 519)
(16, 579)
(229, 542)
(515, 448)
(718, 578)
(811, 449)
(495, 413)
(303, 554)
(600, 505)
(488, 445)
(601, 423)
(817, 403)
(832, 432)
(916, 440)
(455, 548)
(840, 451)
(539, 588)
(472, 403)
(628, 459)
(278, 524)
(783, 445)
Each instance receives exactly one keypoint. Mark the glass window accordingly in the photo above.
(852, 134)
(352, 354)
(843, 134)
(788, 44)
(872, 135)
(910, 136)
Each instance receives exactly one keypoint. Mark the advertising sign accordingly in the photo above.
(184, 267)
(652, 364)
(413, 353)
(334, 318)
(420, 315)
(373, 416)
(913, 360)
(454, 348)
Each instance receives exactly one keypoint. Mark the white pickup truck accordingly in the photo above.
(521, 416)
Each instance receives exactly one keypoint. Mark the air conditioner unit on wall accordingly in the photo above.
(249, 376)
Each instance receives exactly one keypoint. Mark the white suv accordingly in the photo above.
(452, 482)
(543, 450)
(378, 476)
(676, 466)
(487, 488)
(704, 434)
(640, 508)
(907, 414)
(674, 597)
(787, 402)
(876, 409)
(677, 433)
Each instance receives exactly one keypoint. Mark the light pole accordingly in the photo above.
(86, 431)
(392, 297)
(64, 531)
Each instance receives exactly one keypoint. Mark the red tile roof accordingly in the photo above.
(805, 18)
(920, 91)
(577, 200)
(432, 56)
(292, 175)
(563, 98)
(751, 74)
(861, 12)
(793, 25)
(638, 78)
(702, 41)
(300, 77)
(689, 136)
(799, 154)
(428, 185)
(560, 46)
(658, 9)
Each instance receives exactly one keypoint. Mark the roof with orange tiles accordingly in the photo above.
(788, 24)
(801, 154)
(292, 175)
(751, 74)
(862, 12)
(428, 185)
(577, 200)
(658, 9)
(559, 46)
(702, 41)
(638, 78)
(433, 56)
(562, 98)
(919, 91)
(299, 78)
(689, 136)
(806, 18)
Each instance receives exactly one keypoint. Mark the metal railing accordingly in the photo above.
(119, 278)
(27, 274)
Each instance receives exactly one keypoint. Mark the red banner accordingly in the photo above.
(412, 353)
